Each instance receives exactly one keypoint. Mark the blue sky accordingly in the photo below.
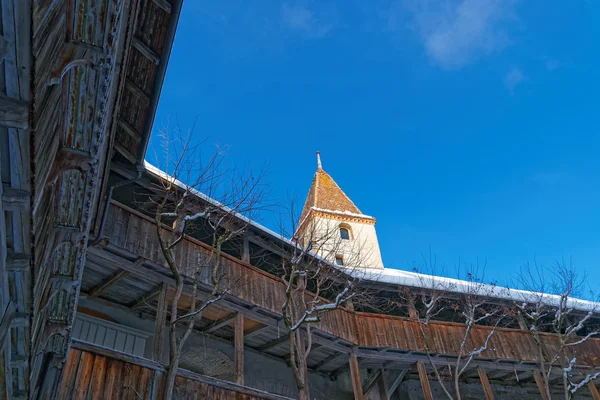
(470, 127)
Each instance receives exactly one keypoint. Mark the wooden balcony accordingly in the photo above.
(94, 372)
(132, 233)
(126, 269)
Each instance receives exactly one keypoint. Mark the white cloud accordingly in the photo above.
(514, 78)
(302, 19)
(458, 32)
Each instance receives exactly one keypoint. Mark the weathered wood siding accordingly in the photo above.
(15, 191)
(135, 233)
(89, 375)
(77, 47)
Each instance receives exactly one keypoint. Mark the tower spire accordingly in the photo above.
(319, 166)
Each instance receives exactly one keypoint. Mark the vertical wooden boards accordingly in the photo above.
(539, 380)
(489, 395)
(159, 323)
(239, 348)
(355, 376)
(423, 377)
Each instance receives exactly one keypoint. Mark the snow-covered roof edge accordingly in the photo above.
(400, 277)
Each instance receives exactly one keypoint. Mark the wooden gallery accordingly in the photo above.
(119, 281)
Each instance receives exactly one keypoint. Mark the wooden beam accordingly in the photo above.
(256, 331)
(273, 343)
(239, 349)
(397, 382)
(131, 131)
(146, 51)
(218, 324)
(489, 395)
(145, 297)
(17, 261)
(424, 378)
(355, 376)
(594, 391)
(13, 113)
(15, 198)
(113, 280)
(331, 358)
(539, 380)
(124, 152)
(267, 245)
(371, 383)
(160, 321)
(136, 90)
(7, 319)
(164, 5)
(382, 386)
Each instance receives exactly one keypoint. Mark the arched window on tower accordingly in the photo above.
(345, 232)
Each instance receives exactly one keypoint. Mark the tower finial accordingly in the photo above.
(319, 166)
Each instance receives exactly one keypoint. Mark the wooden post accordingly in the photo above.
(246, 250)
(539, 380)
(239, 349)
(355, 375)
(412, 310)
(382, 386)
(521, 321)
(594, 390)
(489, 395)
(159, 323)
(424, 381)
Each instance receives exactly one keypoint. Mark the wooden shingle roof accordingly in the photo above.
(325, 194)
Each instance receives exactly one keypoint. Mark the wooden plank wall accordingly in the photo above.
(134, 233)
(77, 48)
(89, 375)
(15, 192)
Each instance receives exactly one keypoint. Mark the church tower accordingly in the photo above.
(347, 235)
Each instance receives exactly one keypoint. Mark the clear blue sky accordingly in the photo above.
(468, 126)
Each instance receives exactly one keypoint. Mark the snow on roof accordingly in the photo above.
(400, 277)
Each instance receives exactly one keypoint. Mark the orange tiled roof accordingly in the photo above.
(325, 194)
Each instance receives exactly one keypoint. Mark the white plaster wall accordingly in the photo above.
(362, 250)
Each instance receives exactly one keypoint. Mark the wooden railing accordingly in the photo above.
(135, 233)
(94, 372)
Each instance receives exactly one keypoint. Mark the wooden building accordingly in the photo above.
(83, 287)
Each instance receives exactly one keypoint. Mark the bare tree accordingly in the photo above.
(196, 192)
(469, 300)
(315, 284)
(551, 306)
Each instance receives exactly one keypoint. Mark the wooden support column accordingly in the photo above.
(489, 395)
(104, 286)
(382, 386)
(239, 349)
(355, 375)
(424, 381)
(412, 310)
(594, 391)
(246, 250)
(521, 321)
(539, 380)
(159, 323)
